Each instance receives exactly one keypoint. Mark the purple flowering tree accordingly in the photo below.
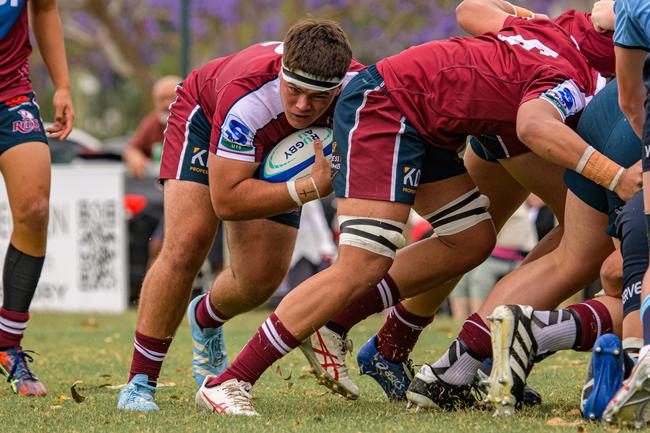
(125, 44)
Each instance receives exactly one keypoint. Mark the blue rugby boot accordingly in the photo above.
(604, 376)
(209, 357)
(137, 395)
(393, 377)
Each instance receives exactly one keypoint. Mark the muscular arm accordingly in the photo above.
(236, 195)
(46, 24)
(540, 126)
(631, 89)
(481, 16)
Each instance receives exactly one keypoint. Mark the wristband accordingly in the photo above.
(597, 167)
(522, 12)
(313, 182)
(612, 185)
(291, 186)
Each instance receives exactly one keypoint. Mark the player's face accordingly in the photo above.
(302, 107)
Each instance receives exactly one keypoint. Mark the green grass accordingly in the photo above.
(97, 350)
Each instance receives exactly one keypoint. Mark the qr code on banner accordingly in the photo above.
(97, 244)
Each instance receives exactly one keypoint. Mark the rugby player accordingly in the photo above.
(235, 108)
(398, 128)
(632, 41)
(25, 166)
(590, 223)
(505, 169)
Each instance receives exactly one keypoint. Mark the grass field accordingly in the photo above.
(97, 349)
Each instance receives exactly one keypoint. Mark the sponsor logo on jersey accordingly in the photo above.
(411, 179)
(27, 124)
(199, 160)
(335, 162)
(235, 135)
(632, 290)
(566, 97)
(18, 100)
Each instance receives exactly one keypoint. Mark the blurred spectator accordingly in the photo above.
(314, 250)
(146, 143)
(541, 215)
(517, 237)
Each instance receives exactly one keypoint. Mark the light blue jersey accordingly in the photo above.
(632, 27)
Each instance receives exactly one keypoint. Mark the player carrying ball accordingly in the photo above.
(399, 125)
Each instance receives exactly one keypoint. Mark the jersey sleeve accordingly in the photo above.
(632, 26)
(233, 132)
(554, 87)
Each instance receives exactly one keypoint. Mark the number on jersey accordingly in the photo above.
(528, 44)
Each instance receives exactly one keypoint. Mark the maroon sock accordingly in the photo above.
(594, 321)
(383, 295)
(401, 330)
(12, 326)
(271, 342)
(207, 316)
(148, 356)
(476, 336)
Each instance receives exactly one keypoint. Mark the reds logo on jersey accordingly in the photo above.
(27, 124)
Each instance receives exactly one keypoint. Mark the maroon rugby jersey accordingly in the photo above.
(14, 50)
(452, 88)
(240, 94)
(597, 47)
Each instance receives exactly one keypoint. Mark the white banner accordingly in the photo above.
(86, 262)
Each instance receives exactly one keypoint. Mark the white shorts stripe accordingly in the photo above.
(398, 141)
(187, 133)
(351, 133)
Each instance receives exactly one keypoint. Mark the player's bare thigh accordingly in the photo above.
(544, 179)
(493, 180)
(190, 221)
(26, 172)
(260, 251)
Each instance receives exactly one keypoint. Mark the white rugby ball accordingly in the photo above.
(293, 156)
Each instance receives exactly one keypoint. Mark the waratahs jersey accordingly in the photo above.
(240, 95)
(14, 49)
(452, 88)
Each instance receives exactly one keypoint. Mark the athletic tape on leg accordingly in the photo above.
(460, 214)
(378, 235)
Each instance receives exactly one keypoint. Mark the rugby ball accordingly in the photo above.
(293, 157)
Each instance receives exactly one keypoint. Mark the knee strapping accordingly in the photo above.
(460, 214)
(378, 235)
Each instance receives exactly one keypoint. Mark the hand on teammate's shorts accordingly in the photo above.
(63, 114)
(321, 171)
(630, 183)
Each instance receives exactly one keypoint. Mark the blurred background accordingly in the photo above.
(117, 49)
